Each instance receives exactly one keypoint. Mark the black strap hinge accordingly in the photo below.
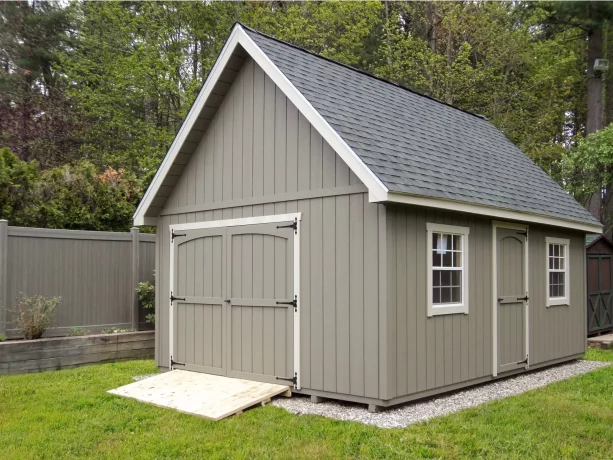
(523, 233)
(293, 225)
(173, 362)
(293, 379)
(525, 299)
(294, 303)
(173, 298)
(173, 235)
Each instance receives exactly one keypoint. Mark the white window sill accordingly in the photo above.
(558, 302)
(451, 309)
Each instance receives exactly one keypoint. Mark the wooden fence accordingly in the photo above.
(95, 274)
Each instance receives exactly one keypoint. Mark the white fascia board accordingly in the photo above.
(192, 116)
(355, 163)
(487, 211)
(238, 221)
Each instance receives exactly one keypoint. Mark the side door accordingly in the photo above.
(512, 297)
(198, 301)
(260, 296)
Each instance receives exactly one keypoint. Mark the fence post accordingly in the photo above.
(135, 271)
(4, 229)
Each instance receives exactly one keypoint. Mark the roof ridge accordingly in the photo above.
(481, 117)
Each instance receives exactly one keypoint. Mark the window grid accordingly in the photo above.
(557, 271)
(447, 256)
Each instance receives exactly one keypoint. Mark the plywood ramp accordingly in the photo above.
(209, 396)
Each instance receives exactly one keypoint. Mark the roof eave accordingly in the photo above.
(499, 213)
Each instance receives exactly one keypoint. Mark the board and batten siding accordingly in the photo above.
(561, 330)
(446, 350)
(259, 156)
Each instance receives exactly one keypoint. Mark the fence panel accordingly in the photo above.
(95, 274)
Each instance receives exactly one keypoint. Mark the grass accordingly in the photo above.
(68, 414)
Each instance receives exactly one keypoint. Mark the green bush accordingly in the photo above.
(76, 331)
(34, 315)
(2, 337)
(146, 295)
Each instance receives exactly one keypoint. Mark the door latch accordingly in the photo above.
(294, 303)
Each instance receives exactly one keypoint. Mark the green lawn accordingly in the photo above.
(68, 414)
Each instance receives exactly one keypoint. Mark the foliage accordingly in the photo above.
(571, 418)
(76, 331)
(588, 168)
(2, 338)
(116, 330)
(146, 296)
(72, 196)
(34, 315)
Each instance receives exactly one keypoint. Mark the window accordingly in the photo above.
(557, 272)
(447, 258)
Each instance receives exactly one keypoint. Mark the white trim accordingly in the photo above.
(171, 317)
(487, 210)
(239, 36)
(297, 216)
(237, 222)
(556, 301)
(447, 309)
(498, 224)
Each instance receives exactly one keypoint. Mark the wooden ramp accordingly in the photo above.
(210, 396)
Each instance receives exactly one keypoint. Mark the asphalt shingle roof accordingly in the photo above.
(420, 146)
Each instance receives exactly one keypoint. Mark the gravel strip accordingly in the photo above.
(409, 413)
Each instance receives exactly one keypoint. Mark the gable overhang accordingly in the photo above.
(490, 211)
(377, 191)
(238, 36)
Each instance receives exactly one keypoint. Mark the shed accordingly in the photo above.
(599, 250)
(364, 242)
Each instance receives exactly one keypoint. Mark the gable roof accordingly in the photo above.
(406, 147)
(591, 239)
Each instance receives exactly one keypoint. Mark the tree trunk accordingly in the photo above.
(594, 103)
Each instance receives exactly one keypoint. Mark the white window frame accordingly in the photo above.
(454, 308)
(553, 301)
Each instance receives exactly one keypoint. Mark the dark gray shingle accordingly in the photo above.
(417, 145)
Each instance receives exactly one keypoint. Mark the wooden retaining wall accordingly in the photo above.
(25, 356)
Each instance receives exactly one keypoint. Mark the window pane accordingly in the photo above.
(445, 295)
(456, 278)
(562, 283)
(550, 249)
(457, 259)
(447, 259)
(551, 290)
(556, 263)
(457, 242)
(436, 278)
(436, 295)
(436, 259)
(445, 278)
(561, 249)
(562, 263)
(556, 250)
(456, 295)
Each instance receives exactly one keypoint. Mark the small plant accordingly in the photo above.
(146, 295)
(34, 315)
(76, 331)
(116, 330)
(2, 338)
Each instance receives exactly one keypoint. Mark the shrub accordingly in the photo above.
(76, 331)
(34, 315)
(2, 337)
(146, 295)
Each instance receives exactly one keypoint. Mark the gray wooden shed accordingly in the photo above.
(370, 244)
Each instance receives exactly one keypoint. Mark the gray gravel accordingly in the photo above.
(401, 416)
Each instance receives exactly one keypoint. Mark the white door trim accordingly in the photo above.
(498, 224)
(239, 222)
